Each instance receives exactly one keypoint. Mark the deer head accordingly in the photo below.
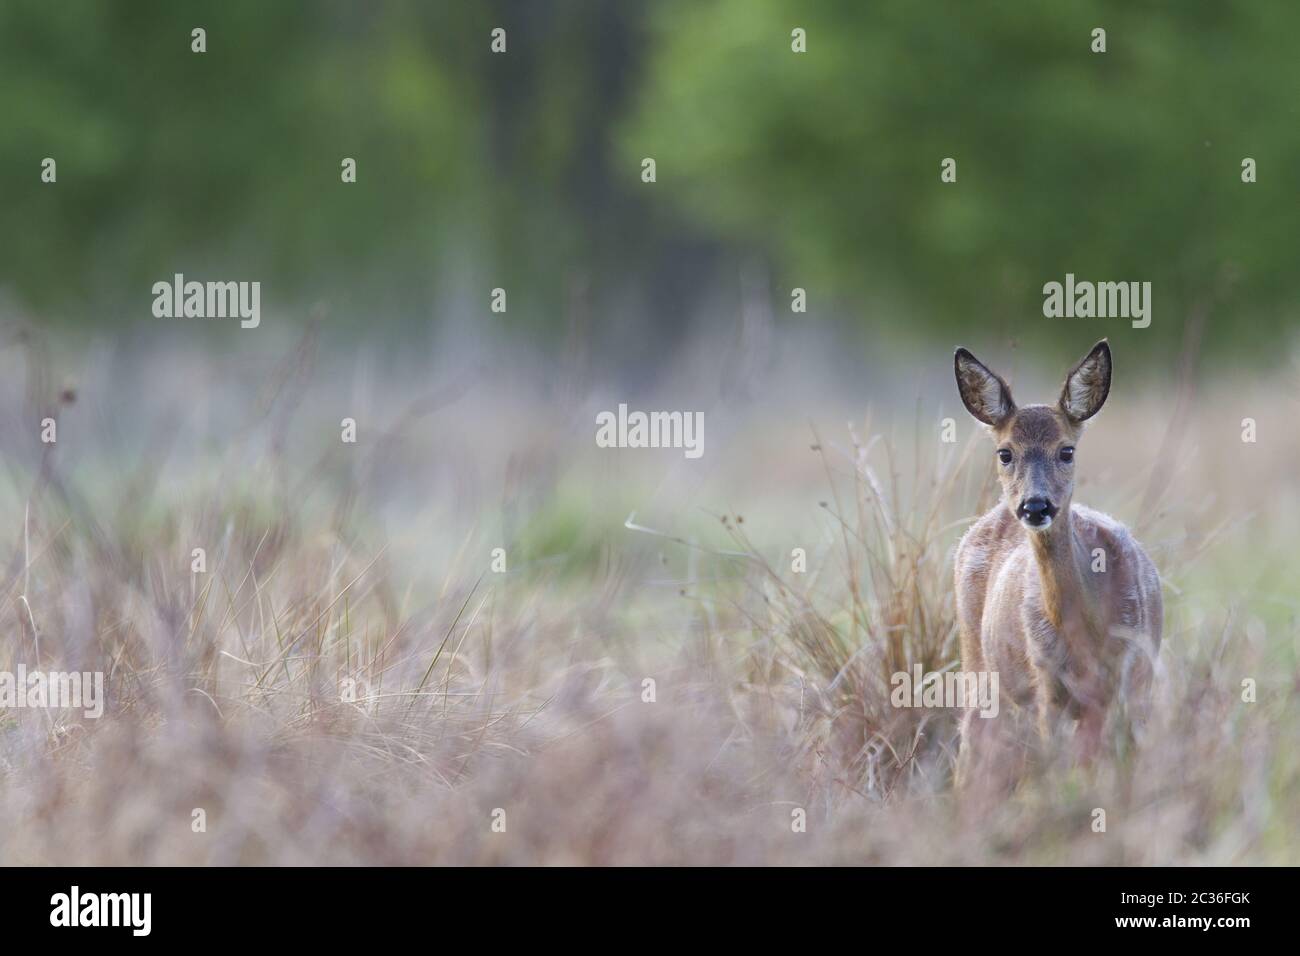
(1035, 444)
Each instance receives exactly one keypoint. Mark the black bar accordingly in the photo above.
(342, 906)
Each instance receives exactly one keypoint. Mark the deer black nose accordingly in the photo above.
(1036, 510)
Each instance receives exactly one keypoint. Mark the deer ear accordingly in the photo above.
(983, 392)
(1087, 385)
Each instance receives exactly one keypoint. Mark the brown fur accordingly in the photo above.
(1066, 640)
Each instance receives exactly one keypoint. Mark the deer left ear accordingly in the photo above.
(1087, 385)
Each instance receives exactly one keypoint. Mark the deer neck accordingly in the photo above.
(1061, 560)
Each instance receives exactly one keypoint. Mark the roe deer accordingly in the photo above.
(1058, 599)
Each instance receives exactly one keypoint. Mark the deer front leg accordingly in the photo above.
(995, 755)
(966, 749)
(1072, 689)
(1045, 700)
(1087, 735)
(1049, 657)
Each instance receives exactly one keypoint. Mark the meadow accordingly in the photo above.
(651, 679)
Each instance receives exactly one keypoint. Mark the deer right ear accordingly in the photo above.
(983, 392)
(1087, 385)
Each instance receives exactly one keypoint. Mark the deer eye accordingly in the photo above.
(1067, 453)
(1004, 455)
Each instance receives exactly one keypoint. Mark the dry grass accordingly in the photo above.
(523, 691)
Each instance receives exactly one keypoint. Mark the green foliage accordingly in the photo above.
(1123, 165)
(227, 162)
(521, 170)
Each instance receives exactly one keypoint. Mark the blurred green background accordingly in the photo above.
(523, 170)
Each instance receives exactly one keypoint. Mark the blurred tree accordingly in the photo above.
(1123, 165)
(521, 170)
(473, 169)
(225, 163)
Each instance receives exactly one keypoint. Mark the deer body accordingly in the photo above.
(1060, 600)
